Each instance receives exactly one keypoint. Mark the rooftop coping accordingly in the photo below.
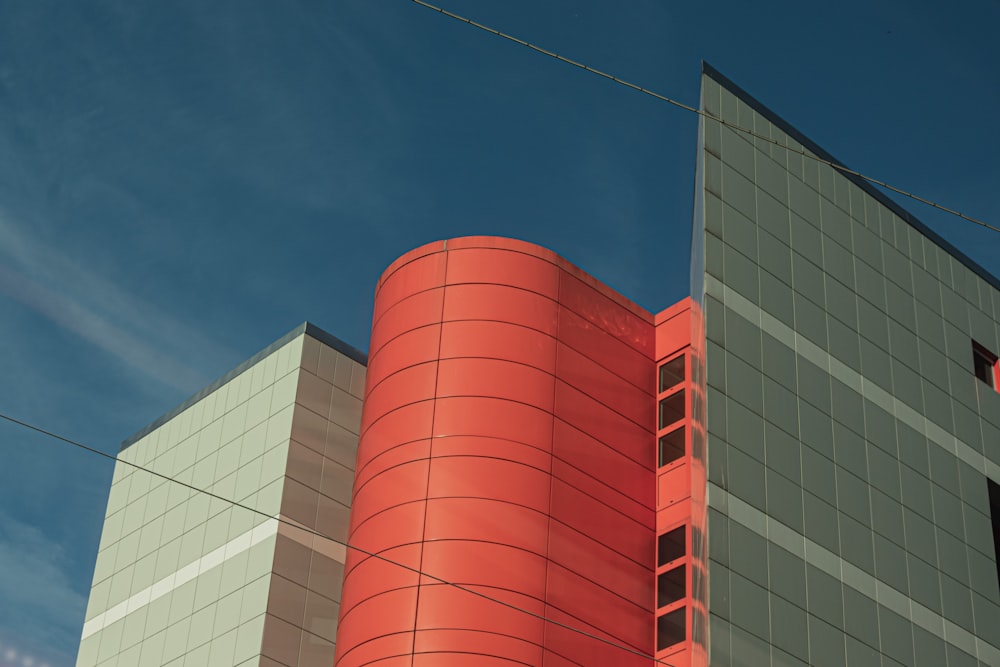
(306, 328)
(868, 187)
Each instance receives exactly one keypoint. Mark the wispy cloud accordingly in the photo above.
(40, 607)
(81, 301)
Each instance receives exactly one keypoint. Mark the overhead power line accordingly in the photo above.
(687, 107)
(389, 561)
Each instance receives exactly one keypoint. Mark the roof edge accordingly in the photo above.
(865, 185)
(306, 328)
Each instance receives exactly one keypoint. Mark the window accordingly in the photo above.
(672, 373)
(671, 446)
(670, 628)
(671, 586)
(984, 364)
(672, 409)
(670, 546)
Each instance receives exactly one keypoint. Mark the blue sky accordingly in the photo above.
(182, 183)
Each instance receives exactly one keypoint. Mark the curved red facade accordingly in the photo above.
(505, 447)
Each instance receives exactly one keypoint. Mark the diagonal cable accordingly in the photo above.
(316, 533)
(734, 126)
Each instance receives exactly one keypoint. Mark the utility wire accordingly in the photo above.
(316, 533)
(738, 128)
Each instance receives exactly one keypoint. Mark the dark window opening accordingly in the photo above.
(671, 446)
(672, 373)
(984, 364)
(672, 409)
(670, 546)
(994, 491)
(671, 586)
(670, 628)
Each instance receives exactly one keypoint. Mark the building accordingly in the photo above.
(187, 578)
(796, 466)
(850, 442)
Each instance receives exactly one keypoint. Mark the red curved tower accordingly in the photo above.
(506, 447)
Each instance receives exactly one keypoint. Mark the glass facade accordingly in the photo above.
(185, 578)
(849, 440)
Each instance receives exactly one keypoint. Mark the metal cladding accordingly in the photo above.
(506, 448)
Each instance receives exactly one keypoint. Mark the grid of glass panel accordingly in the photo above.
(184, 578)
(232, 443)
(308, 571)
(845, 419)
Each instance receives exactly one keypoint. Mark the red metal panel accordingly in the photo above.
(378, 575)
(597, 562)
(394, 486)
(462, 659)
(498, 566)
(498, 340)
(596, 343)
(402, 524)
(576, 408)
(591, 517)
(607, 314)
(489, 478)
(507, 446)
(520, 422)
(565, 648)
(600, 490)
(410, 384)
(406, 424)
(444, 606)
(381, 626)
(598, 607)
(408, 349)
(487, 521)
(412, 312)
(616, 393)
(420, 274)
(495, 378)
(486, 645)
(390, 458)
(495, 448)
(604, 463)
(500, 303)
(503, 267)
(427, 249)
(673, 329)
(671, 516)
(673, 486)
